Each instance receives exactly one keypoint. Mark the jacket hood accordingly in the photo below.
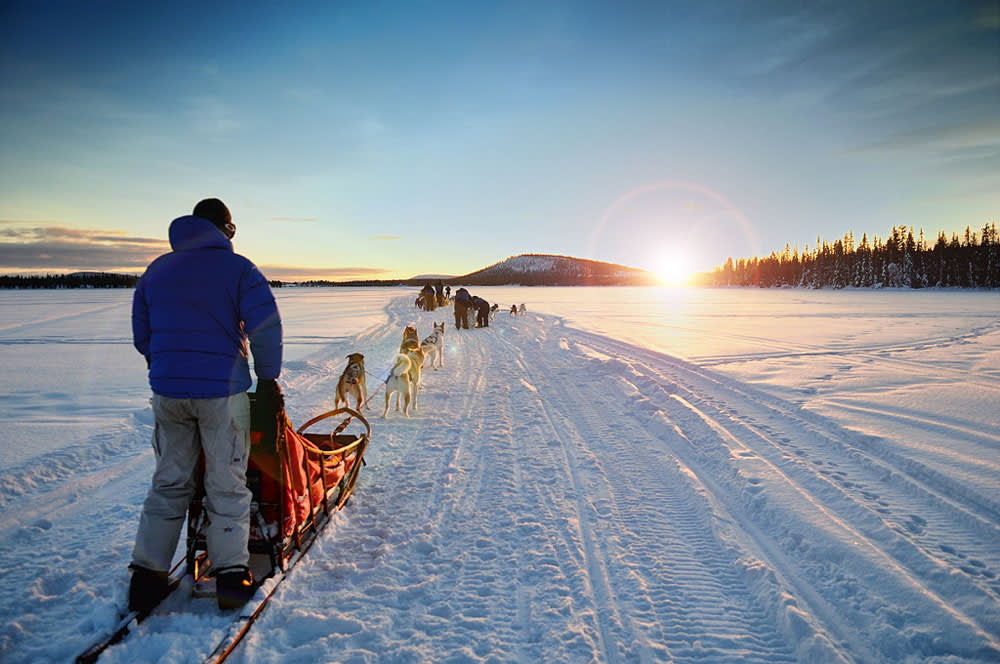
(191, 232)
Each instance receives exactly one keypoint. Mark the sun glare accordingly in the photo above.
(674, 269)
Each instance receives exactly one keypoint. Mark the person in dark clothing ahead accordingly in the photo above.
(193, 312)
(430, 300)
(439, 293)
(482, 308)
(462, 302)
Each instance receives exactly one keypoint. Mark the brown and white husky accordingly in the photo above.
(409, 334)
(352, 382)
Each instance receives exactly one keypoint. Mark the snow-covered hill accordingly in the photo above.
(550, 270)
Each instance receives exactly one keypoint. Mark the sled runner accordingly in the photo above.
(299, 479)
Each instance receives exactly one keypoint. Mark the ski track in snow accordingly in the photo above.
(782, 350)
(558, 496)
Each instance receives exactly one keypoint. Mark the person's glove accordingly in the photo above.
(268, 394)
(268, 387)
(267, 402)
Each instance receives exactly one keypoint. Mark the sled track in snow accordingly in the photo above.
(908, 515)
(880, 351)
(861, 455)
(692, 607)
(494, 513)
(705, 525)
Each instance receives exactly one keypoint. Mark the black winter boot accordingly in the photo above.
(234, 587)
(146, 589)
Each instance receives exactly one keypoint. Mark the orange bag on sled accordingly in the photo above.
(298, 478)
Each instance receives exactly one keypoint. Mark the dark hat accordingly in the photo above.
(216, 211)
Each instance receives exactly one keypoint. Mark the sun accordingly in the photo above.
(673, 268)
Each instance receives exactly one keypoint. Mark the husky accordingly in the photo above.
(409, 335)
(433, 347)
(521, 310)
(416, 356)
(398, 383)
(352, 382)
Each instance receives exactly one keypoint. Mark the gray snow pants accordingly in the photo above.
(185, 427)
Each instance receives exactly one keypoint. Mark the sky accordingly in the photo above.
(381, 140)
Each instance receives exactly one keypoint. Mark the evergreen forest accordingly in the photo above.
(75, 280)
(901, 260)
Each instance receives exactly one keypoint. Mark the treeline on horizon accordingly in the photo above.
(75, 280)
(83, 280)
(901, 260)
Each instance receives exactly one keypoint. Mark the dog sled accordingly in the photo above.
(298, 477)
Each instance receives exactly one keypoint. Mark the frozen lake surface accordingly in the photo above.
(623, 474)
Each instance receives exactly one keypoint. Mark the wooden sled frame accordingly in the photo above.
(279, 530)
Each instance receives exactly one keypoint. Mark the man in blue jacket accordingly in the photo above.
(193, 312)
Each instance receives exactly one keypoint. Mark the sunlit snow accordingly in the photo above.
(619, 475)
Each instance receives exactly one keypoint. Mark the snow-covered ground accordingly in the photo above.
(621, 475)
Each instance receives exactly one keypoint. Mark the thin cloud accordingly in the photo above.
(385, 238)
(956, 137)
(59, 248)
(294, 273)
(907, 64)
(67, 234)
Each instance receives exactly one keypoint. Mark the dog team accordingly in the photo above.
(404, 377)
(403, 381)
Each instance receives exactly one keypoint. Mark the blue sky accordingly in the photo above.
(383, 140)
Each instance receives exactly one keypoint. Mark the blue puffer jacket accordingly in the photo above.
(194, 310)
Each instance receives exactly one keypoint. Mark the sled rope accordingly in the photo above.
(343, 425)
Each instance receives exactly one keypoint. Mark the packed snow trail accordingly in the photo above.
(561, 496)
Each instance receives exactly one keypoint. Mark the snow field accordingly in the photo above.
(601, 502)
(559, 495)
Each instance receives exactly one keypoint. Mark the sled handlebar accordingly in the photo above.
(340, 451)
(350, 412)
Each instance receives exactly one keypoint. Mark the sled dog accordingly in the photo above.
(521, 310)
(398, 383)
(352, 382)
(416, 356)
(433, 346)
(409, 334)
